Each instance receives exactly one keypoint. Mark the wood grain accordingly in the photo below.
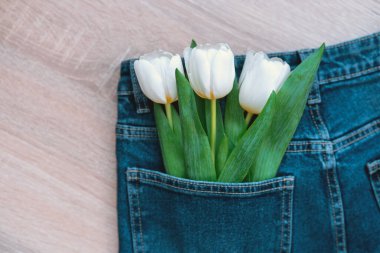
(59, 64)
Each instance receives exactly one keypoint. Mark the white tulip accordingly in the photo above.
(210, 69)
(156, 75)
(260, 76)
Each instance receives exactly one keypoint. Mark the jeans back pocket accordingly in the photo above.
(170, 214)
(374, 176)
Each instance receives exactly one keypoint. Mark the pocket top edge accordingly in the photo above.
(159, 179)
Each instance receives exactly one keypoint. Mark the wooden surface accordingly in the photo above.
(59, 66)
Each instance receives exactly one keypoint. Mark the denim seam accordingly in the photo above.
(312, 109)
(337, 212)
(356, 140)
(139, 97)
(330, 167)
(374, 166)
(124, 93)
(349, 76)
(338, 143)
(290, 220)
(332, 207)
(374, 176)
(137, 128)
(140, 221)
(132, 217)
(376, 186)
(282, 220)
(139, 173)
(138, 137)
(215, 192)
(342, 235)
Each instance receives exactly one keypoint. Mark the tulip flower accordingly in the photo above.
(156, 75)
(211, 73)
(260, 76)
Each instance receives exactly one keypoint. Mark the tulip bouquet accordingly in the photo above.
(243, 139)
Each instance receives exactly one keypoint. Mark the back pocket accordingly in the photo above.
(374, 175)
(170, 214)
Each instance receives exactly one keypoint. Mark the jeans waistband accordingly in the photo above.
(340, 62)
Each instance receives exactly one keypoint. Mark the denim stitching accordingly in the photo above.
(208, 183)
(282, 220)
(137, 128)
(357, 139)
(349, 76)
(139, 209)
(132, 217)
(216, 192)
(341, 214)
(362, 129)
(252, 188)
(374, 166)
(138, 137)
(313, 118)
(123, 93)
(156, 176)
(338, 143)
(290, 220)
(377, 189)
(139, 97)
(333, 209)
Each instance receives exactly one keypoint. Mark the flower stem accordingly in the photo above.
(168, 110)
(248, 118)
(213, 128)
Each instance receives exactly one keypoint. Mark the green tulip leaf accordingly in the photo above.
(193, 43)
(200, 104)
(170, 142)
(234, 116)
(289, 107)
(222, 154)
(242, 156)
(198, 161)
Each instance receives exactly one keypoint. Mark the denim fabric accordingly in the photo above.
(325, 198)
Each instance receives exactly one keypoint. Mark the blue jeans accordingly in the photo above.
(325, 198)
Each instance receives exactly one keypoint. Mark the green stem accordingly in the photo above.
(213, 128)
(168, 110)
(248, 118)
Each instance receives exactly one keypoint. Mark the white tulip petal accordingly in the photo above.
(175, 63)
(222, 74)
(261, 76)
(248, 65)
(285, 71)
(150, 81)
(199, 73)
(186, 57)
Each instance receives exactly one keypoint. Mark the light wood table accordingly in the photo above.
(59, 67)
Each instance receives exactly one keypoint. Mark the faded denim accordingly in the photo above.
(326, 197)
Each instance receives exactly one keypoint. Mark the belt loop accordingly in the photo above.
(141, 101)
(315, 95)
